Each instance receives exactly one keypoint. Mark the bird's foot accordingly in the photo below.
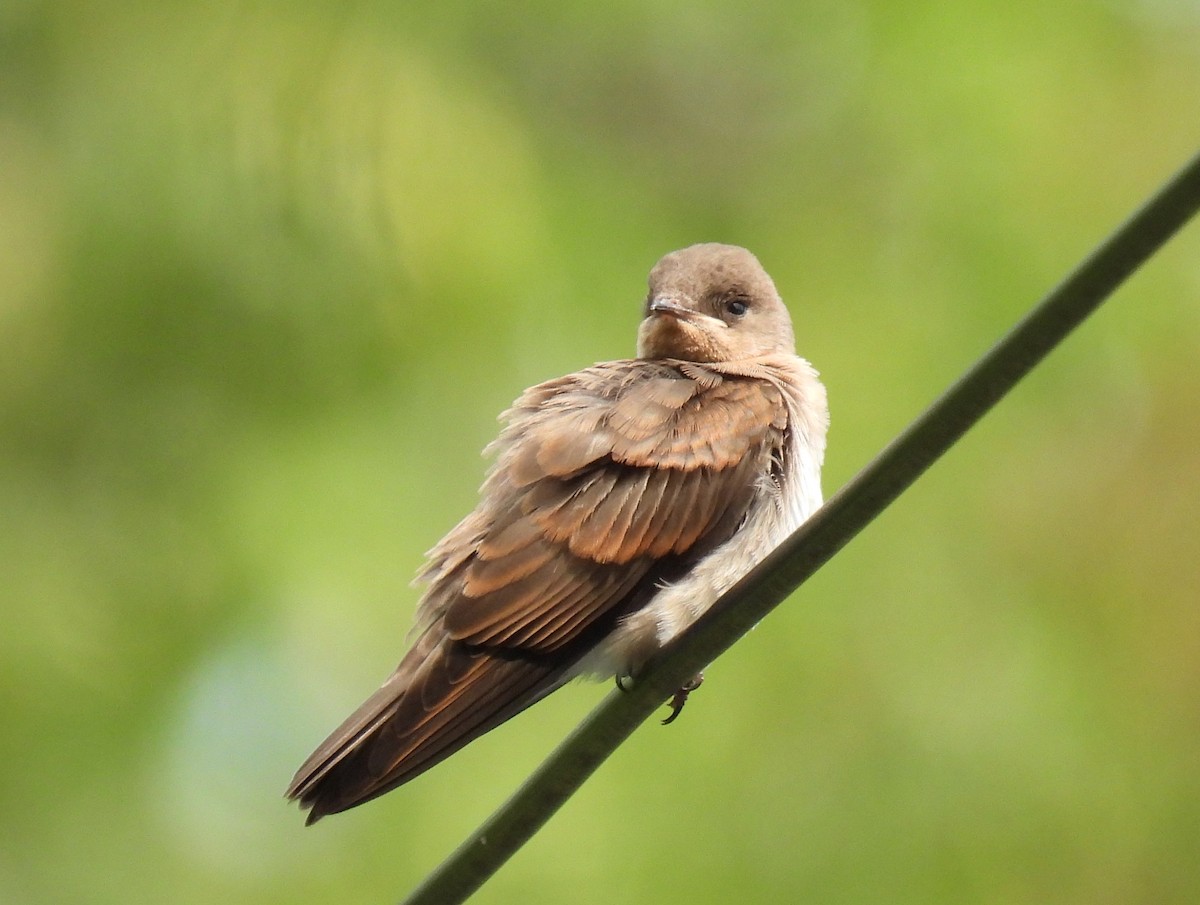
(624, 683)
(680, 697)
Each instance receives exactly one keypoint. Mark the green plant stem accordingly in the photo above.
(830, 529)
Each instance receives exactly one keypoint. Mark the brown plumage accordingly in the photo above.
(623, 500)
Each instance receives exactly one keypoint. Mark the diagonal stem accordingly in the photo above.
(823, 535)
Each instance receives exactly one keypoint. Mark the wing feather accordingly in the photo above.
(598, 477)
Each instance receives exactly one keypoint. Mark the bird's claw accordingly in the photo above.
(680, 697)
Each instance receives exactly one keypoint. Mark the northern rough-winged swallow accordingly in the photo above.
(624, 499)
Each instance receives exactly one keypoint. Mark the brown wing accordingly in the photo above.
(600, 478)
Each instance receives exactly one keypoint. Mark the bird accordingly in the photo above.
(621, 502)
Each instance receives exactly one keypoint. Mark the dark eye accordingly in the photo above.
(737, 307)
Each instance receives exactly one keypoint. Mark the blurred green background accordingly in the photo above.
(269, 270)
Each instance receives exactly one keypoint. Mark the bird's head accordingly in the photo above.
(713, 302)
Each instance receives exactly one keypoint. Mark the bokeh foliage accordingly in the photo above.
(268, 271)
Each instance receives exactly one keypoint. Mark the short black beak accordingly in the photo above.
(671, 307)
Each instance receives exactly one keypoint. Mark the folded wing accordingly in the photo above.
(605, 482)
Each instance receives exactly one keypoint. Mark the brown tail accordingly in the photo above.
(443, 695)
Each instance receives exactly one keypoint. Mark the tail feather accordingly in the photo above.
(443, 695)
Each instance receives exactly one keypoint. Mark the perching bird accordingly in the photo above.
(623, 500)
